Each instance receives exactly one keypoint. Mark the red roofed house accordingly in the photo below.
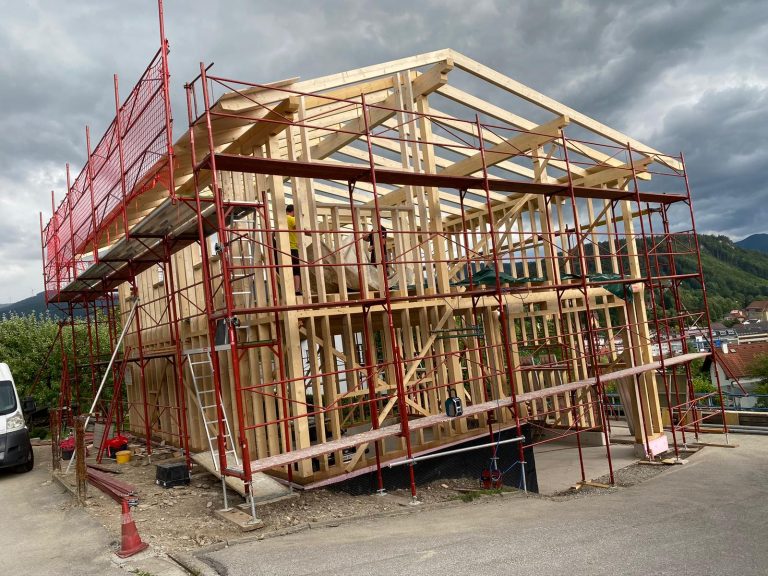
(733, 367)
(737, 315)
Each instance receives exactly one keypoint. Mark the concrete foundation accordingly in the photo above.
(591, 438)
(657, 445)
(557, 464)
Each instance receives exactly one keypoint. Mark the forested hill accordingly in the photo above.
(34, 304)
(734, 276)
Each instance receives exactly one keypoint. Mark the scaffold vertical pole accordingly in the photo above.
(700, 271)
(397, 359)
(168, 118)
(178, 359)
(227, 287)
(592, 337)
(207, 288)
(652, 293)
(121, 157)
(142, 370)
(369, 364)
(503, 321)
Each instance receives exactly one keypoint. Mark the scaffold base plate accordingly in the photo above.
(244, 521)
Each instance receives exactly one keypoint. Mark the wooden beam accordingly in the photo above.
(600, 175)
(245, 98)
(406, 379)
(475, 103)
(515, 207)
(359, 173)
(272, 124)
(531, 95)
(513, 146)
(443, 143)
(420, 423)
(250, 135)
(354, 129)
(377, 70)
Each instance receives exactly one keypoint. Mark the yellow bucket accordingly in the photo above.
(123, 456)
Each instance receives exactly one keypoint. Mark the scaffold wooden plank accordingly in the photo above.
(420, 423)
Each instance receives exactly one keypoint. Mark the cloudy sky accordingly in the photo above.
(687, 75)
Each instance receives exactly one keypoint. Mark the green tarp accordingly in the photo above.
(486, 276)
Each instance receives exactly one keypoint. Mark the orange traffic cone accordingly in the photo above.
(131, 543)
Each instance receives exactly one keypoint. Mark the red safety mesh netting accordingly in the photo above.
(106, 185)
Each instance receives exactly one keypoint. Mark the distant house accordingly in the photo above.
(757, 310)
(733, 367)
(752, 332)
(736, 315)
(723, 335)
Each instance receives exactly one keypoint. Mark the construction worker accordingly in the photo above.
(373, 244)
(293, 240)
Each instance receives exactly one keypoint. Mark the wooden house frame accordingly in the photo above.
(516, 266)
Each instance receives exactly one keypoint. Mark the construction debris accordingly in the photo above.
(118, 489)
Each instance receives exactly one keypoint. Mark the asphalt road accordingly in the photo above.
(42, 533)
(708, 517)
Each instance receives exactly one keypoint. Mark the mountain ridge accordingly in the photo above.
(756, 242)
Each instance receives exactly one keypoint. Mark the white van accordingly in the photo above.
(15, 448)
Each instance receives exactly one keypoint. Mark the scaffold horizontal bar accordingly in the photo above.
(456, 451)
(362, 173)
(206, 350)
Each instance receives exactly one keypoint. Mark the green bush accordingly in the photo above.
(25, 339)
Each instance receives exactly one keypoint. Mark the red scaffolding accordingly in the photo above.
(423, 273)
(132, 163)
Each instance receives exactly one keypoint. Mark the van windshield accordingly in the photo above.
(7, 397)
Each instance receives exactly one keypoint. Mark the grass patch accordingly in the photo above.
(475, 494)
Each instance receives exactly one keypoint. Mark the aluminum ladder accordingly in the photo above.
(239, 234)
(201, 368)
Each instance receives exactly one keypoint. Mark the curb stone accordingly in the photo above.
(193, 565)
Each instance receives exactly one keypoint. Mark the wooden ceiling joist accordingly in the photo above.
(521, 90)
(514, 120)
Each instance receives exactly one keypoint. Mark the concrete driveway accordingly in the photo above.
(42, 533)
(707, 517)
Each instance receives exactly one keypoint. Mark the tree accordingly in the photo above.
(759, 369)
(701, 379)
(25, 340)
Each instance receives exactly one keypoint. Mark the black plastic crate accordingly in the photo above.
(171, 474)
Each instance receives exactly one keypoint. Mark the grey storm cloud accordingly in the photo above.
(724, 139)
(680, 75)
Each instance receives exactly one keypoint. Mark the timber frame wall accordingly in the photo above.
(522, 268)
